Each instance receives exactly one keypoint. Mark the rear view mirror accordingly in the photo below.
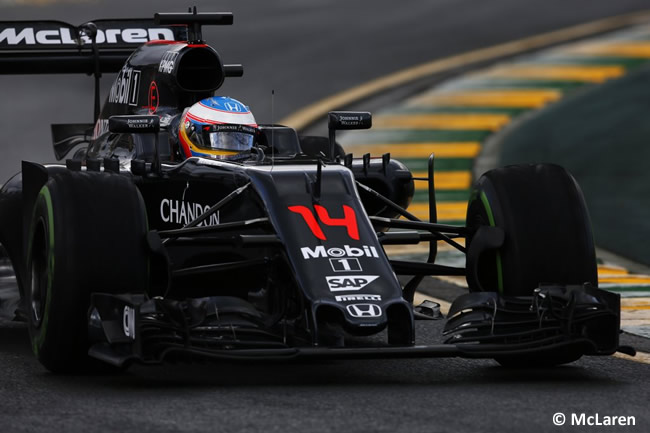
(134, 123)
(139, 124)
(340, 120)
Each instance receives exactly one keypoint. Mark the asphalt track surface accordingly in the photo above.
(305, 51)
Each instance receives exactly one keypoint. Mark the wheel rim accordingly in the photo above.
(38, 287)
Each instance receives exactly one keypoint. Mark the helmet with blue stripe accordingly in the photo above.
(217, 127)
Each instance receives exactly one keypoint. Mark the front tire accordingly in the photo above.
(548, 238)
(87, 234)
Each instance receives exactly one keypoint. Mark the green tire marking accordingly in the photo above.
(38, 341)
(490, 216)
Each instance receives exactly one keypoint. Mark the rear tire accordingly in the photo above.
(548, 237)
(87, 234)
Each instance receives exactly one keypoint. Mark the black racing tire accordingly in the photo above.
(87, 234)
(548, 237)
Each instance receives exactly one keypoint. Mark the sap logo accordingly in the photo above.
(353, 282)
(63, 36)
(364, 310)
(182, 212)
(346, 251)
(125, 88)
(349, 298)
(349, 220)
(168, 62)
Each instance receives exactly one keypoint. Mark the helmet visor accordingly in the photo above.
(232, 138)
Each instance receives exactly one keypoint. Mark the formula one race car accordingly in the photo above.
(136, 251)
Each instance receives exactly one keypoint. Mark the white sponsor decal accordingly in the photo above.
(347, 283)
(364, 310)
(125, 88)
(128, 322)
(63, 36)
(345, 265)
(357, 297)
(182, 212)
(167, 62)
(346, 251)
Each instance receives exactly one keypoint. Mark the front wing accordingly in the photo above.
(556, 319)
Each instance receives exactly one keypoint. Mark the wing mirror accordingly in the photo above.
(139, 124)
(345, 120)
(134, 124)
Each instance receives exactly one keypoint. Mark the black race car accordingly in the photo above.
(128, 253)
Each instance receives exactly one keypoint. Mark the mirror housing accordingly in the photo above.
(134, 124)
(346, 120)
(139, 124)
(341, 120)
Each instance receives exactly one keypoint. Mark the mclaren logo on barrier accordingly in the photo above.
(364, 310)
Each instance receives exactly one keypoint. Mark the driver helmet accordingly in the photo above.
(217, 127)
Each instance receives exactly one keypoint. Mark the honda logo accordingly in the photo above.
(364, 310)
(231, 106)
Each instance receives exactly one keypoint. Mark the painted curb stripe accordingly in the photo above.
(468, 149)
(630, 279)
(446, 180)
(440, 164)
(491, 83)
(594, 74)
(640, 357)
(446, 210)
(414, 136)
(491, 122)
(443, 195)
(512, 112)
(563, 57)
(507, 98)
(617, 49)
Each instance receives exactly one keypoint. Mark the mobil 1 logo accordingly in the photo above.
(345, 264)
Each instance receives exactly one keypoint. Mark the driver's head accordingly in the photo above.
(217, 127)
